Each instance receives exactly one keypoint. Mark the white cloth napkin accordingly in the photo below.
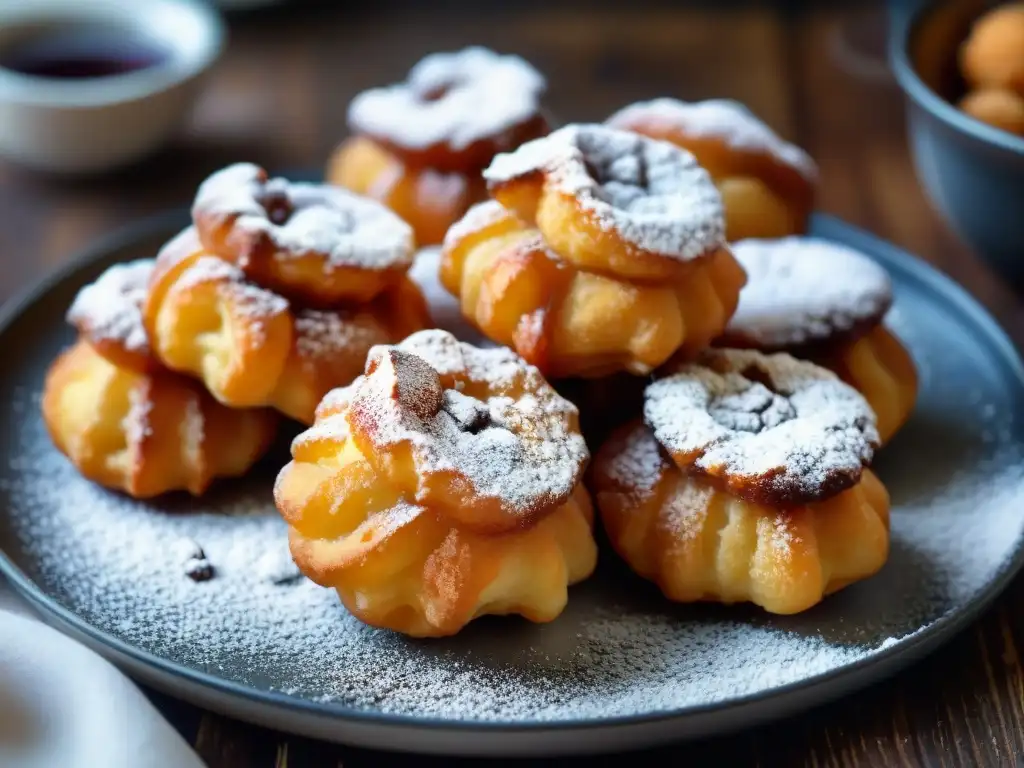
(63, 706)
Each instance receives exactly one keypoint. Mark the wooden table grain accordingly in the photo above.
(279, 98)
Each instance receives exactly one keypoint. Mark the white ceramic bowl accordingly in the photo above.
(79, 126)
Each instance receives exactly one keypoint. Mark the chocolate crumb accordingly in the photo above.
(199, 569)
(286, 578)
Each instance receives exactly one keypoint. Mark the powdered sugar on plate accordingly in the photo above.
(723, 119)
(618, 650)
(805, 289)
(110, 309)
(652, 194)
(454, 99)
(955, 473)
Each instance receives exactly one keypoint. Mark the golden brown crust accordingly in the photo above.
(492, 445)
(249, 346)
(146, 433)
(316, 244)
(571, 322)
(698, 543)
(880, 368)
(428, 199)
(108, 314)
(612, 201)
(407, 570)
(768, 186)
(455, 111)
(441, 486)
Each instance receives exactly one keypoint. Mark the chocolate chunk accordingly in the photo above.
(199, 569)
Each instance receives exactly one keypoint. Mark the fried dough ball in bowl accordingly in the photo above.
(419, 146)
(992, 56)
(826, 302)
(767, 184)
(999, 107)
(312, 243)
(125, 421)
(252, 347)
(602, 252)
(440, 486)
(747, 483)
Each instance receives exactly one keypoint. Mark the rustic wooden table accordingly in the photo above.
(279, 99)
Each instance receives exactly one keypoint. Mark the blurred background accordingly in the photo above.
(279, 92)
(816, 71)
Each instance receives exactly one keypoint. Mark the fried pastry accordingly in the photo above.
(999, 107)
(126, 422)
(826, 302)
(767, 184)
(440, 486)
(146, 433)
(992, 56)
(419, 146)
(747, 483)
(314, 244)
(602, 252)
(252, 347)
(108, 314)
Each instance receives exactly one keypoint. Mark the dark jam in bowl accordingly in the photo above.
(80, 53)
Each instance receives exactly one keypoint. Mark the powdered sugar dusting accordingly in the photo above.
(136, 425)
(454, 99)
(638, 463)
(248, 298)
(344, 229)
(653, 194)
(110, 309)
(506, 432)
(772, 419)
(955, 473)
(476, 219)
(805, 289)
(321, 335)
(723, 119)
(618, 650)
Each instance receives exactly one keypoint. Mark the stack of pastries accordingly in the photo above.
(269, 300)
(123, 418)
(643, 288)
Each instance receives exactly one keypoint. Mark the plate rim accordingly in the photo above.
(848, 678)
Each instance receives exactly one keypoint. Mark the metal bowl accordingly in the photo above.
(973, 173)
